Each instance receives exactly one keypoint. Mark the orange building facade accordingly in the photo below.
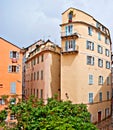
(10, 74)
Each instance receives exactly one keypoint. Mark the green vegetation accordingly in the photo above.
(56, 115)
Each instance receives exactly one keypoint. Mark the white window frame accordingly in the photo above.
(90, 98)
(90, 31)
(100, 82)
(100, 62)
(107, 53)
(107, 64)
(90, 60)
(100, 49)
(90, 45)
(90, 79)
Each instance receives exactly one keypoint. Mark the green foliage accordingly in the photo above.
(55, 115)
(3, 115)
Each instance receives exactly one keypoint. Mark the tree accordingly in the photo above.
(3, 116)
(55, 115)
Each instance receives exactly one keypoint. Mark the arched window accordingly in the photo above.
(70, 16)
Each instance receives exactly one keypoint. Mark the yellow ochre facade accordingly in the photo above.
(85, 63)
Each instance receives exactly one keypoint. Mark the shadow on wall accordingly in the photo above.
(101, 104)
(55, 76)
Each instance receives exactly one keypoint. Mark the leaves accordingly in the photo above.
(55, 115)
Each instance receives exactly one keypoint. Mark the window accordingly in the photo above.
(100, 63)
(37, 93)
(90, 79)
(107, 40)
(100, 96)
(70, 45)
(37, 60)
(107, 112)
(34, 75)
(107, 52)
(90, 97)
(108, 95)
(41, 74)
(14, 54)
(108, 81)
(70, 16)
(38, 75)
(12, 117)
(34, 61)
(41, 93)
(13, 68)
(13, 101)
(31, 76)
(13, 88)
(2, 102)
(100, 80)
(100, 49)
(107, 64)
(31, 91)
(42, 58)
(90, 45)
(90, 31)
(69, 30)
(99, 36)
(90, 60)
(34, 92)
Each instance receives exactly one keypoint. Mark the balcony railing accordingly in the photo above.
(50, 48)
(68, 34)
(14, 60)
(71, 50)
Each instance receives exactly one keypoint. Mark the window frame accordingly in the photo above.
(100, 50)
(90, 79)
(107, 65)
(100, 62)
(100, 96)
(90, 60)
(90, 31)
(90, 98)
(100, 80)
(90, 45)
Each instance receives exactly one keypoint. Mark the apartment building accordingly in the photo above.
(10, 74)
(85, 63)
(26, 52)
(42, 76)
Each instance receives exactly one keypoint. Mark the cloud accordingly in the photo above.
(24, 22)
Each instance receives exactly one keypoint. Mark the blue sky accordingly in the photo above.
(24, 22)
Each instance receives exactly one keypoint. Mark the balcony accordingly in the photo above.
(14, 60)
(71, 50)
(49, 48)
(73, 34)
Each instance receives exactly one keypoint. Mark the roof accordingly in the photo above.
(34, 43)
(86, 14)
(9, 42)
(77, 10)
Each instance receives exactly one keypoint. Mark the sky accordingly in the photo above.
(23, 22)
